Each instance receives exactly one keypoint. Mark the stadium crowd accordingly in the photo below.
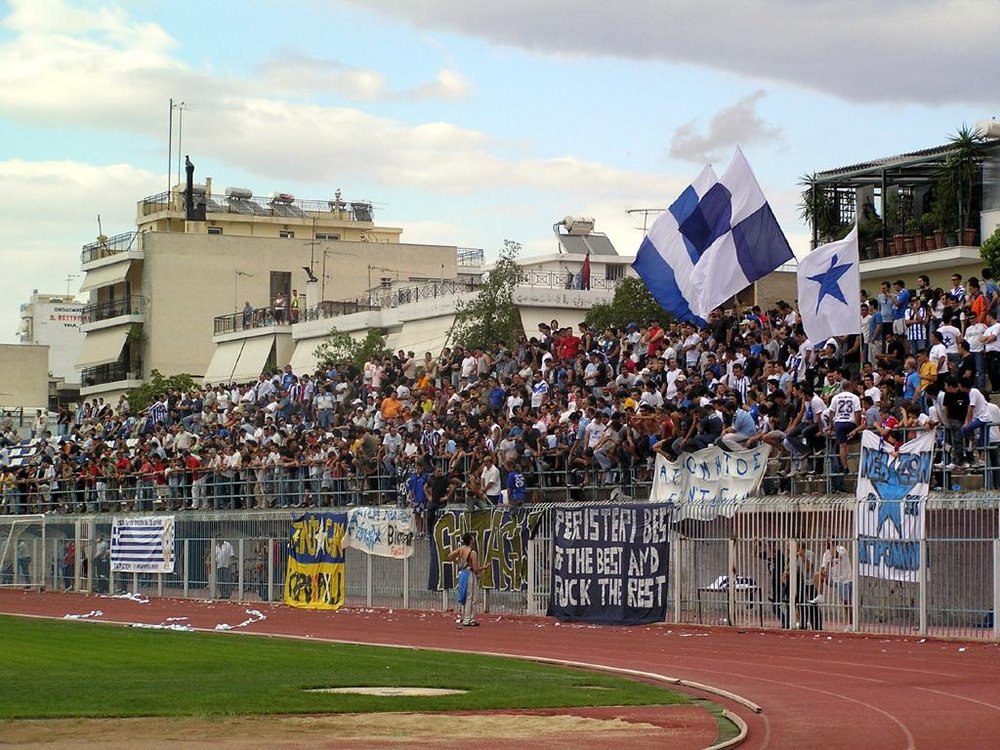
(561, 408)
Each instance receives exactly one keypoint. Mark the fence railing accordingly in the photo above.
(110, 373)
(258, 317)
(772, 550)
(262, 206)
(128, 305)
(105, 248)
(558, 476)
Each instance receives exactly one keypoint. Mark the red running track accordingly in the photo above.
(817, 690)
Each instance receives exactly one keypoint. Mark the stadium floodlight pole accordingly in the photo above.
(170, 146)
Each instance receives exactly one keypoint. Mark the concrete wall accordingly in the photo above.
(24, 375)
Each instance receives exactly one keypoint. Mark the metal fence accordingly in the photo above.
(732, 570)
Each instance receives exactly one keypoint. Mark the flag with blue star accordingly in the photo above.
(829, 283)
(892, 488)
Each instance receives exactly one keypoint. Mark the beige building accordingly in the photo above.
(158, 294)
(418, 317)
(24, 373)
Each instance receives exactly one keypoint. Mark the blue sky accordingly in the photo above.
(467, 123)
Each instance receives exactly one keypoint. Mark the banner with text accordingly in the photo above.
(708, 483)
(142, 545)
(892, 490)
(385, 532)
(315, 575)
(501, 539)
(610, 563)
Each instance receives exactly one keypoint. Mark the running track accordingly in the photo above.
(827, 690)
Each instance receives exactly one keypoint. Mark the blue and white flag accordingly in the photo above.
(142, 545)
(830, 289)
(715, 240)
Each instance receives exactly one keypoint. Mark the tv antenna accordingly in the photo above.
(646, 213)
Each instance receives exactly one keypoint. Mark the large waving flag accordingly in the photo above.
(715, 240)
(830, 289)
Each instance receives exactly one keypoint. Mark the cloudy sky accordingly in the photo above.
(466, 123)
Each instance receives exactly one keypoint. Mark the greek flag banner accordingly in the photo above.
(715, 240)
(142, 545)
(830, 289)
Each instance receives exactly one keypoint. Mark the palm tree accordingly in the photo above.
(819, 209)
(960, 174)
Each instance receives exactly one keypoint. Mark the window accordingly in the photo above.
(327, 236)
(286, 234)
(614, 272)
(215, 230)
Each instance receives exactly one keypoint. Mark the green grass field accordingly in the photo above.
(66, 669)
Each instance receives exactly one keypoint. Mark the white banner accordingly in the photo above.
(142, 545)
(892, 490)
(708, 483)
(386, 532)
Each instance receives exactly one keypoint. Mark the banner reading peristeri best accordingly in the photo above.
(315, 576)
(892, 491)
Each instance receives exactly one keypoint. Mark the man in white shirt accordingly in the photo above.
(224, 560)
(539, 392)
(991, 347)
(844, 425)
(837, 571)
(490, 479)
(977, 420)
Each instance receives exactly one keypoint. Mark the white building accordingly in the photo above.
(53, 320)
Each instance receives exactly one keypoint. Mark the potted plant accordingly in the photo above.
(914, 240)
(927, 230)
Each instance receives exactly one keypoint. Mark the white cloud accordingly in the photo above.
(48, 212)
(927, 51)
(737, 125)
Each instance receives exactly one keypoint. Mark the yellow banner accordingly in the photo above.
(315, 574)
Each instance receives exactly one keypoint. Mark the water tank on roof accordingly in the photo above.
(578, 224)
(238, 192)
(282, 197)
(988, 128)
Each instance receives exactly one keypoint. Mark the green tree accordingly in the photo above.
(632, 303)
(492, 315)
(340, 348)
(990, 251)
(155, 386)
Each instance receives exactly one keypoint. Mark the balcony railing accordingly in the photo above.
(910, 244)
(264, 207)
(130, 305)
(386, 299)
(566, 280)
(110, 373)
(470, 256)
(105, 248)
(258, 317)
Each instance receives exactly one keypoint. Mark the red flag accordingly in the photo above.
(585, 273)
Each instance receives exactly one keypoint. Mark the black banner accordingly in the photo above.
(610, 563)
(501, 540)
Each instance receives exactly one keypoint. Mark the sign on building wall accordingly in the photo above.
(708, 483)
(610, 563)
(501, 540)
(892, 493)
(315, 574)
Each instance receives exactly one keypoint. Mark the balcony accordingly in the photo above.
(129, 306)
(259, 317)
(108, 247)
(122, 374)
